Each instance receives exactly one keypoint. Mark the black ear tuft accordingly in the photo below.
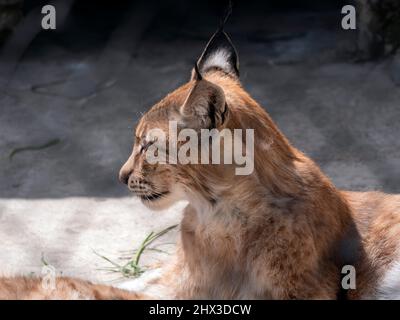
(227, 14)
(220, 54)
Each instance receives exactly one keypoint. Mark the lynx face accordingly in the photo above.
(155, 184)
(199, 104)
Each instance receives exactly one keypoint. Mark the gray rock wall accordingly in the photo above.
(379, 27)
(10, 14)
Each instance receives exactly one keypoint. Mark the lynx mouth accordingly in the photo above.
(153, 196)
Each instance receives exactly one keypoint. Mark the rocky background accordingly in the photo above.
(10, 15)
(379, 27)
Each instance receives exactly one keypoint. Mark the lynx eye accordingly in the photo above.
(144, 146)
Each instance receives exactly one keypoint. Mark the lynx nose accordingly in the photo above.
(124, 175)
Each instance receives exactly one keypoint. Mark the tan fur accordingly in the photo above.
(32, 288)
(377, 216)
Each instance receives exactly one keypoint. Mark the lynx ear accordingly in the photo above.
(205, 107)
(219, 54)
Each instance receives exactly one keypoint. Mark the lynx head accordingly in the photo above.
(207, 101)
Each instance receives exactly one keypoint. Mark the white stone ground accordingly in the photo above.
(71, 233)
